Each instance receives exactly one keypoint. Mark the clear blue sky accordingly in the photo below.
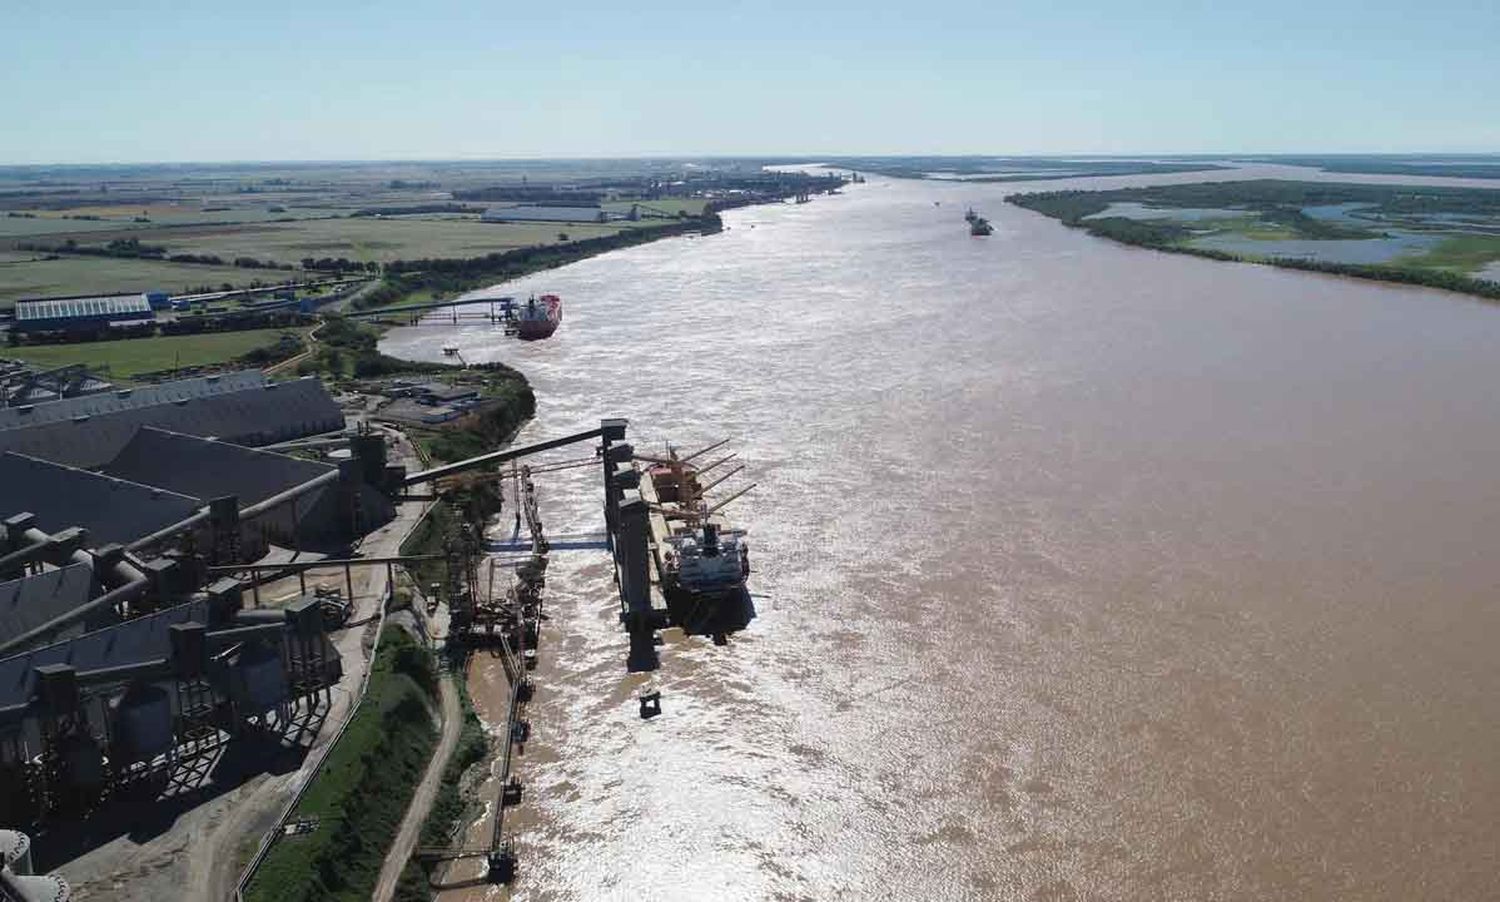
(121, 81)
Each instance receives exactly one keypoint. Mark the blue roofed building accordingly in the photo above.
(82, 314)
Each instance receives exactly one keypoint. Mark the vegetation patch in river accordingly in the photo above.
(1442, 237)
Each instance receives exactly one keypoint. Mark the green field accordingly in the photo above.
(368, 238)
(127, 358)
(1462, 254)
(41, 226)
(31, 277)
(692, 206)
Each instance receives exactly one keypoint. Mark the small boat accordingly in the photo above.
(980, 227)
(450, 350)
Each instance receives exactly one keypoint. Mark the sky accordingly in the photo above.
(97, 81)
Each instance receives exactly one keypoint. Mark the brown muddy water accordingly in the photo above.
(1083, 571)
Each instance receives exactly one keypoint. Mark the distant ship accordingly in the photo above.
(538, 317)
(980, 226)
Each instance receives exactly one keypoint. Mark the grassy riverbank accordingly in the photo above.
(359, 796)
(1435, 237)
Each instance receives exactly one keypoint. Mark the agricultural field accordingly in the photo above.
(126, 359)
(382, 239)
(115, 229)
(25, 275)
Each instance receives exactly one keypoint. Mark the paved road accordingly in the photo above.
(421, 801)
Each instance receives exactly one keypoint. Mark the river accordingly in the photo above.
(1083, 571)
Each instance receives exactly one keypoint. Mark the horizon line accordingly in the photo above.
(786, 157)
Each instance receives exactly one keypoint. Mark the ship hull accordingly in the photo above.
(539, 320)
(717, 612)
(532, 330)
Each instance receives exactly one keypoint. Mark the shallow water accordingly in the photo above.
(1083, 571)
(1132, 210)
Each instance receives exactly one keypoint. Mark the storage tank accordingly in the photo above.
(50, 888)
(15, 851)
(142, 723)
(259, 679)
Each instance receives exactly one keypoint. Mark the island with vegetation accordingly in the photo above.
(1442, 237)
(1464, 166)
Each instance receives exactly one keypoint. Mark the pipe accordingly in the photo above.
(41, 545)
(246, 633)
(435, 305)
(130, 591)
(296, 491)
(121, 672)
(26, 554)
(313, 442)
(167, 532)
(246, 513)
(705, 488)
(499, 457)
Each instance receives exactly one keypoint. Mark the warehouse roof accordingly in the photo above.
(128, 398)
(30, 602)
(260, 415)
(207, 468)
(112, 305)
(112, 510)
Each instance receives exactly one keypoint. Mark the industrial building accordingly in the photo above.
(253, 415)
(23, 383)
(298, 503)
(82, 314)
(110, 399)
(120, 653)
(87, 716)
(109, 510)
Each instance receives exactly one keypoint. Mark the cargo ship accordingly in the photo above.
(702, 564)
(538, 317)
